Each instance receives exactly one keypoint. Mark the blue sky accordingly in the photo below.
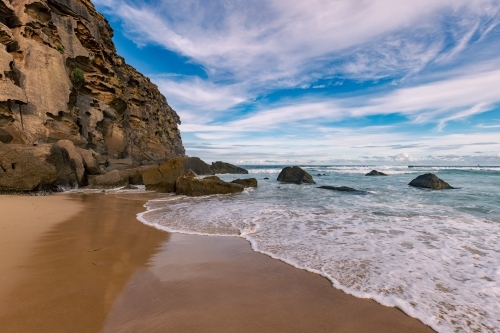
(321, 81)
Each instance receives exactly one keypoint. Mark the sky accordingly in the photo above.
(322, 81)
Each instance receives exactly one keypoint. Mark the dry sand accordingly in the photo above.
(98, 269)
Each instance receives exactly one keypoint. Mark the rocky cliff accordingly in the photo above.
(61, 79)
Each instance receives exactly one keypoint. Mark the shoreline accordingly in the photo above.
(117, 274)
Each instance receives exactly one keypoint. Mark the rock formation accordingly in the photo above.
(295, 175)
(195, 187)
(197, 165)
(61, 79)
(163, 178)
(375, 173)
(21, 171)
(342, 189)
(175, 176)
(430, 180)
(222, 167)
(247, 182)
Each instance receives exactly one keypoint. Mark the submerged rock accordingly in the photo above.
(247, 182)
(222, 167)
(295, 175)
(430, 180)
(375, 173)
(341, 189)
(195, 187)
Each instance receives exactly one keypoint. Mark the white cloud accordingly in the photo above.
(441, 102)
(198, 94)
(405, 157)
(252, 48)
(276, 41)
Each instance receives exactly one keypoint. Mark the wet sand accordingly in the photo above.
(100, 270)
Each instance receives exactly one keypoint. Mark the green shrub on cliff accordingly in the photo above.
(77, 75)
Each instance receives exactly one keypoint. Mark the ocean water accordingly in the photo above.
(433, 254)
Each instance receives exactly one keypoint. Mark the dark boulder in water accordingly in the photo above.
(267, 178)
(295, 175)
(247, 182)
(430, 180)
(375, 173)
(342, 189)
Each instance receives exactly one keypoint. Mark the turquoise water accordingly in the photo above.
(433, 254)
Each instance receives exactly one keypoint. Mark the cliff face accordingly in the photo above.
(61, 79)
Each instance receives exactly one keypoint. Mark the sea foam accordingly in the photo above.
(433, 254)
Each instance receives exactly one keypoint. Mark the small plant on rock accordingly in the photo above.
(60, 48)
(77, 75)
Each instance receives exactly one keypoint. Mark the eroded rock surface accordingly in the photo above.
(430, 180)
(197, 165)
(61, 79)
(295, 175)
(108, 180)
(22, 171)
(163, 178)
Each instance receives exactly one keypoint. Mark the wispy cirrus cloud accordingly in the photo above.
(299, 70)
(272, 41)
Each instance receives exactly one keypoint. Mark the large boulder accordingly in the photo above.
(295, 175)
(222, 167)
(162, 178)
(69, 164)
(430, 180)
(375, 173)
(134, 175)
(22, 172)
(247, 182)
(89, 161)
(75, 158)
(197, 165)
(195, 187)
(109, 180)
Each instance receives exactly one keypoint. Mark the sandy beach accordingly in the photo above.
(83, 263)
